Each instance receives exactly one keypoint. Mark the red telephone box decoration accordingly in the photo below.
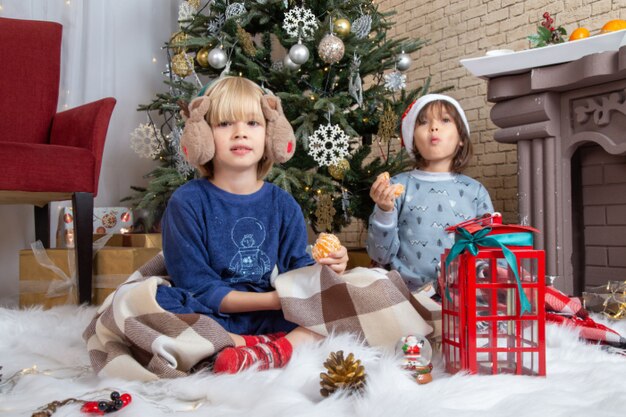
(493, 286)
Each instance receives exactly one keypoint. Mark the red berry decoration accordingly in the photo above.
(116, 403)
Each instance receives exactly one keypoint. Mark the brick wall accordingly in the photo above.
(457, 29)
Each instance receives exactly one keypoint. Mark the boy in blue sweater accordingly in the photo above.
(407, 232)
(225, 235)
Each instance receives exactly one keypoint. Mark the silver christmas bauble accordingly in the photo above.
(217, 58)
(331, 49)
(299, 54)
(403, 61)
(289, 64)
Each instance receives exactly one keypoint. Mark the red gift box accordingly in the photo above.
(493, 286)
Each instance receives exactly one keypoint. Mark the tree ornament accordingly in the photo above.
(215, 26)
(338, 171)
(247, 45)
(331, 49)
(289, 64)
(342, 27)
(186, 11)
(325, 212)
(403, 61)
(387, 124)
(343, 373)
(417, 354)
(194, 3)
(328, 145)
(202, 57)
(177, 42)
(146, 141)
(299, 53)
(182, 65)
(547, 34)
(355, 82)
(217, 58)
(300, 21)
(235, 10)
(362, 26)
(395, 81)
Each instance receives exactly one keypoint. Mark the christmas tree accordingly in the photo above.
(340, 79)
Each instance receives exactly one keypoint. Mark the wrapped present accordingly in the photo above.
(52, 281)
(134, 240)
(493, 286)
(106, 220)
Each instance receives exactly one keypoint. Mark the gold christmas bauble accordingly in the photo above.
(202, 56)
(182, 65)
(339, 171)
(342, 27)
(194, 3)
(177, 40)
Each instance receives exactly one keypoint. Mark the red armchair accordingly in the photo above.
(48, 156)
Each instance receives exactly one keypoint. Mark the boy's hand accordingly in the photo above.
(383, 193)
(337, 261)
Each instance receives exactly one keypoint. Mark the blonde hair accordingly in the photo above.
(232, 99)
(463, 154)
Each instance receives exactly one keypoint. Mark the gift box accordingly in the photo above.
(133, 240)
(47, 287)
(106, 220)
(493, 286)
(609, 299)
(430, 310)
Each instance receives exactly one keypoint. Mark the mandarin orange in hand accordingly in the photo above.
(580, 33)
(613, 25)
(325, 244)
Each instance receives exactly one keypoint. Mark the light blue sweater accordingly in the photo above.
(411, 237)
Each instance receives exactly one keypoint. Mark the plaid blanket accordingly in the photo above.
(132, 337)
(568, 311)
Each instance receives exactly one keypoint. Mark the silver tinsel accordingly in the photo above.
(331, 49)
(362, 26)
(300, 21)
(355, 83)
(395, 81)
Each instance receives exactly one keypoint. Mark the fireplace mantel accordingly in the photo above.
(549, 112)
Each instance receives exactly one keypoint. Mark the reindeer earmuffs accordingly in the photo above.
(197, 139)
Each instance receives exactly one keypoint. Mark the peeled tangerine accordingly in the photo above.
(398, 190)
(325, 244)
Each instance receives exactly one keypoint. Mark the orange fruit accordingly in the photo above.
(325, 244)
(580, 33)
(613, 25)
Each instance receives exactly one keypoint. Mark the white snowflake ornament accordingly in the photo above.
(328, 145)
(146, 141)
(395, 81)
(300, 21)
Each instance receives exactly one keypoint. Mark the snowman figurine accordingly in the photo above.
(417, 355)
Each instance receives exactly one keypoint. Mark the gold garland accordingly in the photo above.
(387, 125)
(245, 39)
(325, 212)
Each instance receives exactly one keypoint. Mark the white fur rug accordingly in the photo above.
(582, 380)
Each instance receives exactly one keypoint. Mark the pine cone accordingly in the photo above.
(343, 373)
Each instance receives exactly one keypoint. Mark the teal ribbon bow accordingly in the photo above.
(467, 241)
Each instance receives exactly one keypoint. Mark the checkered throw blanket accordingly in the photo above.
(132, 337)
